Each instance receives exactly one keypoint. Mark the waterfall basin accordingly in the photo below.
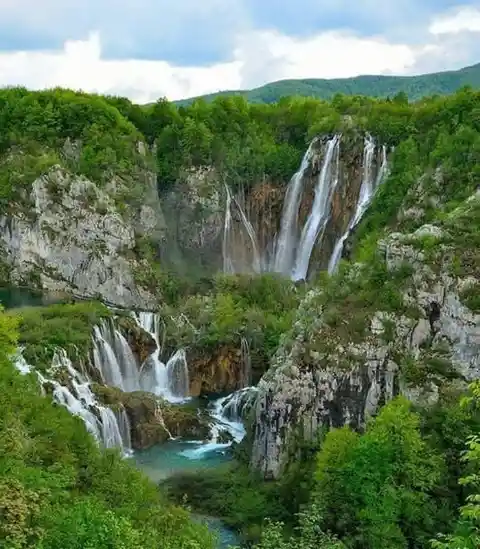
(183, 456)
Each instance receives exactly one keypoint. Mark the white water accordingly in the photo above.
(177, 375)
(367, 191)
(171, 380)
(320, 212)
(108, 428)
(104, 358)
(288, 235)
(228, 246)
(221, 423)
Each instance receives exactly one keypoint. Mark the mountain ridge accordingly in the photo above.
(416, 87)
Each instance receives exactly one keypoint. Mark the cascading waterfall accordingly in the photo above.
(287, 237)
(228, 267)
(234, 407)
(110, 430)
(290, 254)
(170, 381)
(319, 214)
(367, 190)
(127, 361)
(114, 359)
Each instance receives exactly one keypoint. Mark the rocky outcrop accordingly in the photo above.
(153, 420)
(215, 372)
(329, 377)
(76, 239)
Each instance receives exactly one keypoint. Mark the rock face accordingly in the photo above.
(153, 420)
(322, 377)
(220, 372)
(76, 240)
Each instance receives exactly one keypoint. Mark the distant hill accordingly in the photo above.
(375, 86)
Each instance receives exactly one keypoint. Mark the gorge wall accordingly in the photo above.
(363, 339)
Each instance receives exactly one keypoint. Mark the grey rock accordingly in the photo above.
(75, 241)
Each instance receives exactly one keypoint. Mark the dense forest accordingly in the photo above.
(409, 480)
(415, 87)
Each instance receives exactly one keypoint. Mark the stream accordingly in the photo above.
(161, 462)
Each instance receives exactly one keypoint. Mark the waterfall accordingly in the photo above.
(170, 381)
(319, 214)
(177, 372)
(235, 406)
(111, 436)
(127, 361)
(229, 266)
(104, 357)
(125, 429)
(108, 428)
(246, 362)
(367, 191)
(287, 237)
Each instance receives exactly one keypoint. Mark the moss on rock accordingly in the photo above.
(152, 419)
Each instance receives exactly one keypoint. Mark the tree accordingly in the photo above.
(467, 532)
(375, 490)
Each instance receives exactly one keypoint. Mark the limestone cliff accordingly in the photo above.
(408, 323)
(78, 237)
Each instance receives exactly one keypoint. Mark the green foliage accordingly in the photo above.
(231, 493)
(467, 533)
(59, 489)
(258, 308)
(36, 125)
(375, 490)
(42, 329)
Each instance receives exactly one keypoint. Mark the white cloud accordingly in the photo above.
(259, 57)
(463, 19)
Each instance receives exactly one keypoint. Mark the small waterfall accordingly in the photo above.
(170, 381)
(320, 212)
(367, 191)
(246, 373)
(236, 406)
(287, 237)
(111, 436)
(125, 429)
(177, 372)
(229, 266)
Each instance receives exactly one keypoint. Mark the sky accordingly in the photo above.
(146, 49)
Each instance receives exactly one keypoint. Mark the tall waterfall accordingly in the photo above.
(319, 214)
(287, 237)
(367, 191)
(108, 427)
(230, 265)
(290, 251)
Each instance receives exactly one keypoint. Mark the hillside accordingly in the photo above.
(415, 87)
(272, 308)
